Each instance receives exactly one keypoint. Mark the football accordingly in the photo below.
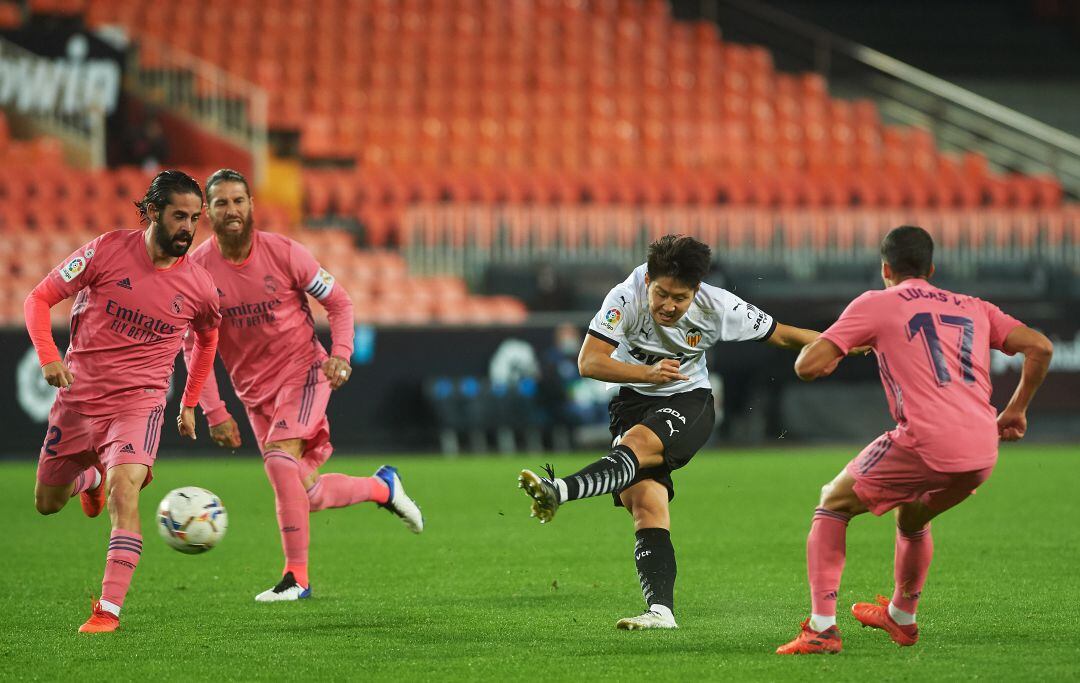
(192, 520)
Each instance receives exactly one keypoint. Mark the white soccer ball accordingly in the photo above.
(192, 520)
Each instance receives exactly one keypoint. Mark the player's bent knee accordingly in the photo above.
(47, 505)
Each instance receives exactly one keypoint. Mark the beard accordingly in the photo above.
(177, 245)
(232, 241)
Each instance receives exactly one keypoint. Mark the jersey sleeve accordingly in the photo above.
(208, 315)
(1001, 324)
(79, 270)
(855, 326)
(743, 321)
(307, 274)
(613, 319)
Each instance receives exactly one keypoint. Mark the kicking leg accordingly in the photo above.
(654, 554)
(639, 448)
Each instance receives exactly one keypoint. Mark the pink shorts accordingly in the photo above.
(298, 412)
(74, 442)
(887, 475)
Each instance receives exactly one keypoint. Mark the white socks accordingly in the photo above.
(819, 623)
(662, 610)
(110, 608)
(900, 616)
(560, 486)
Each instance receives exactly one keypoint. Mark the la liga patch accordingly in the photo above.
(612, 319)
(72, 268)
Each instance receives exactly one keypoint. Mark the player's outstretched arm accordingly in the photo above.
(818, 359)
(595, 361)
(788, 337)
(1037, 350)
(38, 324)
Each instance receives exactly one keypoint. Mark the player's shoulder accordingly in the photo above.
(203, 252)
(276, 242)
(116, 238)
(200, 274)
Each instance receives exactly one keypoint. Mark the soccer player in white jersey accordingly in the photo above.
(650, 338)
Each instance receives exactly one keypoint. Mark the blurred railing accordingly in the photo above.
(959, 119)
(225, 104)
(81, 132)
(464, 239)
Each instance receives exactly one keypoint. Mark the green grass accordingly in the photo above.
(487, 593)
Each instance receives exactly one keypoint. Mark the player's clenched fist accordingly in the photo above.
(663, 371)
(226, 434)
(1012, 425)
(57, 374)
(337, 370)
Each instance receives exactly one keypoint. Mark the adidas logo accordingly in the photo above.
(281, 424)
(128, 448)
(125, 283)
(219, 292)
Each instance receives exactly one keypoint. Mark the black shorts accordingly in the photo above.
(684, 422)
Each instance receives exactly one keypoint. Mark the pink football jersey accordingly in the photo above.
(933, 351)
(128, 321)
(267, 335)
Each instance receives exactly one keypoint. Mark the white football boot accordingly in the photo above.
(658, 616)
(543, 492)
(399, 503)
(286, 590)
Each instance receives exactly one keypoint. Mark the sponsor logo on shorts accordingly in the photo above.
(674, 413)
(612, 319)
(177, 304)
(72, 268)
(693, 336)
(281, 424)
(128, 448)
(672, 428)
(125, 283)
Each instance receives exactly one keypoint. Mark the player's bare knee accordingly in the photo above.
(48, 505)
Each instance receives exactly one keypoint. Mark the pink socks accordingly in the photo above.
(87, 479)
(340, 490)
(825, 552)
(914, 550)
(292, 511)
(125, 548)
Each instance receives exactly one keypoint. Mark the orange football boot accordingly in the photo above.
(811, 642)
(93, 501)
(100, 621)
(877, 616)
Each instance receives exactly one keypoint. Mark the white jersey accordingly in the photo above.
(715, 315)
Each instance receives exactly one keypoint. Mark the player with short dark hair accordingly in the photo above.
(650, 338)
(136, 296)
(933, 350)
(282, 374)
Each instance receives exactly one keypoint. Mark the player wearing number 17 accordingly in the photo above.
(933, 351)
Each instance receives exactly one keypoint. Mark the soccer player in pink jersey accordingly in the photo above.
(933, 350)
(282, 374)
(136, 294)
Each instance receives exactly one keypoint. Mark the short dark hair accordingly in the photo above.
(163, 187)
(909, 251)
(680, 257)
(226, 175)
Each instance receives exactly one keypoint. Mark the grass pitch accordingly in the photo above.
(487, 593)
